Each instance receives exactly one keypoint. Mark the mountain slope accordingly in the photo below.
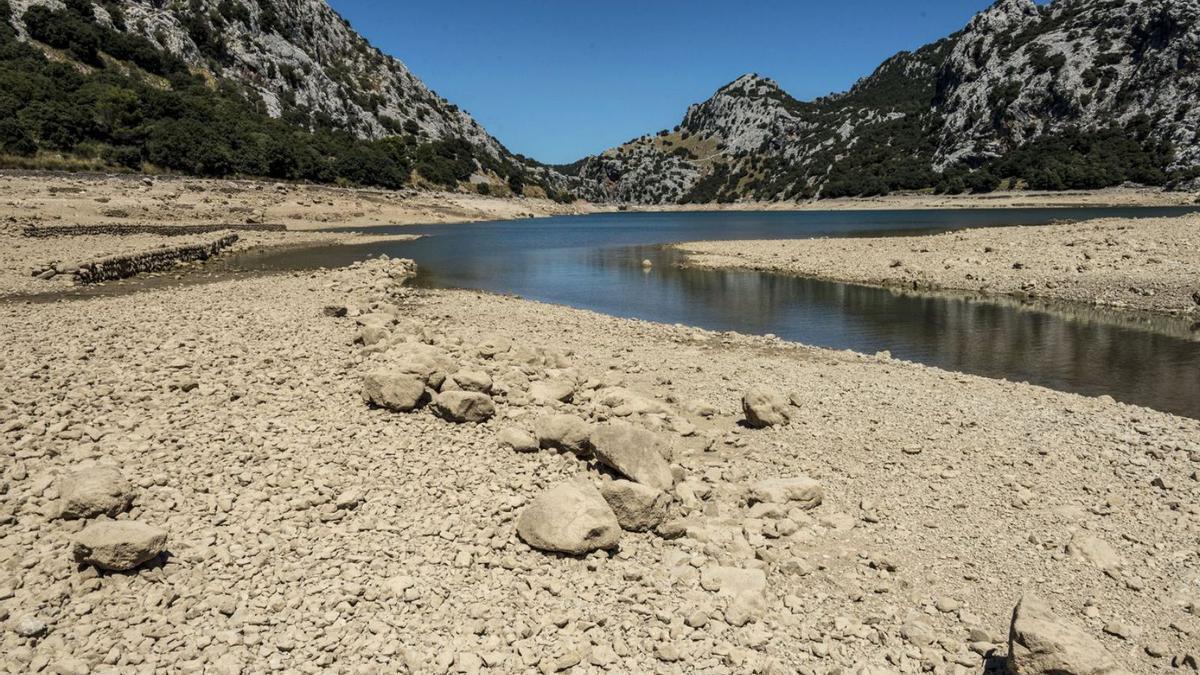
(279, 88)
(1079, 93)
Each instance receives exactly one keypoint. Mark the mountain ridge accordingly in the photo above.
(1048, 96)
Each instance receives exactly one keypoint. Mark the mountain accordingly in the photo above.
(279, 88)
(1075, 94)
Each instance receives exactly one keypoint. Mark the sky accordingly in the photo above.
(558, 81)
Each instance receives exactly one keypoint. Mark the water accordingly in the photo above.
(594, 262)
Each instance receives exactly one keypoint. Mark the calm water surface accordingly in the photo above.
(594, 262)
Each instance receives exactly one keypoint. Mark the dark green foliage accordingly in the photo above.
(708, 188)
(182, 124)
(1074, 159)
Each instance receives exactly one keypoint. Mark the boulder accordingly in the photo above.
(572, 518)
(463, 406)
(633, 452)
(765, 407)
(638, 508)
(396, 391)
(801, 491)
(1040, 643)
(564, 432)
(517, 439)
(469, 380)
(118, 545)
(550, 391)
(95, 491)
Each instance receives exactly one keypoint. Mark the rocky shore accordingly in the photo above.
(331, 471)
(1143, 264)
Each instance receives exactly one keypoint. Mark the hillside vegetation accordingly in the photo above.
(86, 90)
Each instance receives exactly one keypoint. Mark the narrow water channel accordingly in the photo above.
(594, 262)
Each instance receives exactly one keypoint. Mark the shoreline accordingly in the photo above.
(275, 525)
(1138, 265)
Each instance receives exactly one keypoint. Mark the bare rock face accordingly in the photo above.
(571, 517)
(95, 491)
(801, 491)
(564, 432)
(517, 439)
(633, 452)
(1040, 643)
(118, 545)
(766, 407)
(639, 508)
(464, 406)
(396, 391)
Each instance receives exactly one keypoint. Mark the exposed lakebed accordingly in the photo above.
(595, 262)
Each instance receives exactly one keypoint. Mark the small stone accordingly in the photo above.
(666, 652)
(30, 626)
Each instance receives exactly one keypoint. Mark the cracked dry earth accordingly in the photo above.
(310, 532)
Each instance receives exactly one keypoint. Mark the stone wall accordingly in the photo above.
(130, 264)
(163, 230)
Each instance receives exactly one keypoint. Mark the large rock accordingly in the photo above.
(118, 545)
(638, 508)
(766, 407)
(469, 380)
(397, 391)
(95, 491)
(516, 439)
(463, 406)
(1040, 643)
(633, 452)
(571, 517)
(564, 432)
(801, 491)
(551, 391)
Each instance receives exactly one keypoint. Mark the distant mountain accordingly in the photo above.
(248, 76)
(1075, 94)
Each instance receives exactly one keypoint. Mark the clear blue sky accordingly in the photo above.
(561, 80)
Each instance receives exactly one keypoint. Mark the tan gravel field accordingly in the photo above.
(308, 532)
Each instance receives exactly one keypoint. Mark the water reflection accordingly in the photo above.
(594, 263)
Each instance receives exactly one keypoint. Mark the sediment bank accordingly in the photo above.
(1137, 264)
